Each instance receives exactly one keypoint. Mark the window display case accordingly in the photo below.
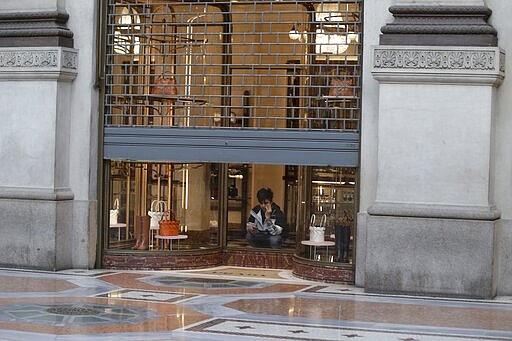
(136, 187)
(332, 207)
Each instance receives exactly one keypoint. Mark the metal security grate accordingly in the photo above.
(244, 65)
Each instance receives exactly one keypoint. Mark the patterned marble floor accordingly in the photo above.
(228, 303)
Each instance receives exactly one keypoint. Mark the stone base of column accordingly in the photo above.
(430, 256)
(36, 233)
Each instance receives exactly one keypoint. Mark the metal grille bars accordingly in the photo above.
(244, 65)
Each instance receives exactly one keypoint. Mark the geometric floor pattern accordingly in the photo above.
(72, 314)
(229, 303)
(202, 282)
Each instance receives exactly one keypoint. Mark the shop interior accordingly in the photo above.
(211, 204)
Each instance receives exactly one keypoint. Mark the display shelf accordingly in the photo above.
(337, 98)
(162, 98)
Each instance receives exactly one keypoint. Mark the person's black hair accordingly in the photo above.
(265, 194)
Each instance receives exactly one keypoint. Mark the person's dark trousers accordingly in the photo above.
(342, 239)
(264, 240)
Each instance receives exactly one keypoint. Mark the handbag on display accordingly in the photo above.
(317, 232)
(165, 85)
(156, 212)
(341, 87)
(114, 213)
(169, 226)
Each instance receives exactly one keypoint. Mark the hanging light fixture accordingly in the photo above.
(294, 34)
(331, 42)
(332, 35)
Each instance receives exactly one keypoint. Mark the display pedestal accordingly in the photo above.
(313, 247)
(171, 239)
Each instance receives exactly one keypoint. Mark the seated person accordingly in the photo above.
(266, 222)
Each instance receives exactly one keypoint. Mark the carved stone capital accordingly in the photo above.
(36, 62)
(453, 64)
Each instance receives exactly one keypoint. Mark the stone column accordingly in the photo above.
(431, 229)
(37, 65)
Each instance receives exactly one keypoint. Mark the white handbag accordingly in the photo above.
(114, 213)
(317, 232)
(157, 210)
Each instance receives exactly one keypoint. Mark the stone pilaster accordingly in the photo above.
(37, 67)
(431, 229)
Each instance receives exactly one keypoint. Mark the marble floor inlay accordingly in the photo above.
(242, 272)
(147, 295)
(230, 304)
(287, 331)
(73, 314)
(202, 282)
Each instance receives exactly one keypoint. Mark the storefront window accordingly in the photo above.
(143, 194)
(317, 203)
(244, 182)
(326, 228)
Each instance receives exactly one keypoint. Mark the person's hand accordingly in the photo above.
(268, 210)
(251, 228)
